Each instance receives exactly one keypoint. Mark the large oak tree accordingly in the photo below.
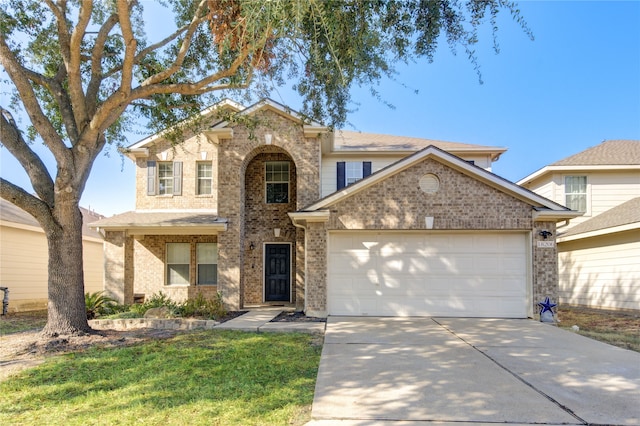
(84, 71)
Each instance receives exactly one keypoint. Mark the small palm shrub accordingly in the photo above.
(203, 307)
(97, 304)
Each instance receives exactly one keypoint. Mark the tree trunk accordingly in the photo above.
(66, 306)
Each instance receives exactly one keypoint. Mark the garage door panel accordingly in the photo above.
(429, 274)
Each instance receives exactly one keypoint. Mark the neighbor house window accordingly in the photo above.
(349, 172)
(277, 181)
(205, 178)
(575, 189)
(353, 171)
(207, 263)
(178, 261)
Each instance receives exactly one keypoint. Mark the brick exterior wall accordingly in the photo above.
(316, 296)
(238, 276)
(460, 203)
(189, 153)
(545, 266)
(149, 264)
(261, 218)
(118, 268)
(137, 265)
(398, 203)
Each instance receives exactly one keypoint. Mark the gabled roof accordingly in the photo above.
(269, 104)
(609, 155)
(545, 208)
(224, 104)
(163, 222)
(622, 217)
(12, 214)
(266, 104)
(345, 140)
(614, 152)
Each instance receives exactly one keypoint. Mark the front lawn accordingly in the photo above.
(617, 328)
(212, 377)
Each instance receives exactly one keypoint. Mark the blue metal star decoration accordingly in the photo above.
(546, 306)
(546, 314)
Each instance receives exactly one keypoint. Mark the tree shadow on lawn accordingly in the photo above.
(221, 377)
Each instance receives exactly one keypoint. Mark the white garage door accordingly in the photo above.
(428, 274)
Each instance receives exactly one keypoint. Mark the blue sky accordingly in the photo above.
(576, 85)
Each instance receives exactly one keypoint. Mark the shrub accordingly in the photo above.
(156, 301)
(97, 304)
(123, 315)
(203, 307)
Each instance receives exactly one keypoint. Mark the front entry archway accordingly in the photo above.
(269, 236)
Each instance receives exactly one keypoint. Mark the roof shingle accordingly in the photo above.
(11, 213)
(623, 214)
(346, 140)
(613, 152)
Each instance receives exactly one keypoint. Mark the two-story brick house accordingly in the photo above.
(288, 212)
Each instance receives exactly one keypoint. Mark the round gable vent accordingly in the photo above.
(429, 183)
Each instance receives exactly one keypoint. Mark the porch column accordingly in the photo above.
(545, 264)
(316, 269)
(118, 266)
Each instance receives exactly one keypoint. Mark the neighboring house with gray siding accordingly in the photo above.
(599, 252)
(332, 223)
(24, 257)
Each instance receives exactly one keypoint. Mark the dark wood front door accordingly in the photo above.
(277, 272)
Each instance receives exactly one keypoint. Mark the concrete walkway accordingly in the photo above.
(258, 320)
(411, 371)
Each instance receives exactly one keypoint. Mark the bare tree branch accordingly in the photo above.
(130, 44)
(59, 11)
(28, 97)
(166, 40)
(27, 202)
(14, 142)
(184, 48)
(76, 93)
(96, 62)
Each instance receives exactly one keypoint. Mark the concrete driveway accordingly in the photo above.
(376, 371)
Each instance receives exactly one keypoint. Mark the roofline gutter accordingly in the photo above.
(586, 168)
(555, 215)
(599, 232)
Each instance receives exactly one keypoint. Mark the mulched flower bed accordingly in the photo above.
(296, 317)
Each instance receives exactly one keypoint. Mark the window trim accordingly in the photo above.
(168, 179)
(267, 182)
(587, 210)
(353, 171)
(198, 264)
(199, 178)
(153, 178)
(341, 172)
(167, 264)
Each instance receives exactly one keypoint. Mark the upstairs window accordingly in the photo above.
(349, 172)
(277, 182)
(575, 189)
(164, 178)
(353, 172)
(205, 178)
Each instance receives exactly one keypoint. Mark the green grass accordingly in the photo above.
(17, 322)
(204, 378)
(613, 327)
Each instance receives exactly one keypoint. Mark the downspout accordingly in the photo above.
(297, 225)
